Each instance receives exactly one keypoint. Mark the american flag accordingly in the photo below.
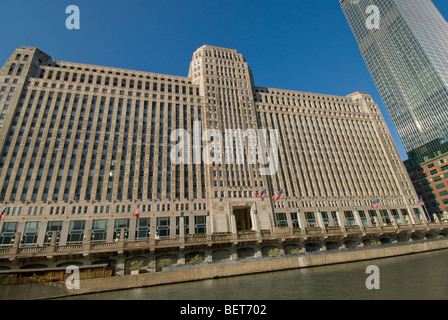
(375, 203)
(421, 202)
(278, 195)
(2, 215)
(137, 212)
(262, 194)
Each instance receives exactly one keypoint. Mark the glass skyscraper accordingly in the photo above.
(407, 56)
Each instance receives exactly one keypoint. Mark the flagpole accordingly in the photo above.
(428, 217)
(273, 211)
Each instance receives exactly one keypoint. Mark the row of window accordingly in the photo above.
(61, 210)
(72, 113)
(368, 218)
(74, 77)
(100, 231)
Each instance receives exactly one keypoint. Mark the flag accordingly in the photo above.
(375, 203)
(262, 194)
(137, 212)
(278, 195)
(2, 216)
(421, 202)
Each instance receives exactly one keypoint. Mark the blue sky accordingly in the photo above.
(299, 45)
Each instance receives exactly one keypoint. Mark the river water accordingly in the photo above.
(421, 276)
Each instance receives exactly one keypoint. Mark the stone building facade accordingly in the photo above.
(85, 147)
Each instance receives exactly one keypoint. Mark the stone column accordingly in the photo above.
(132, 227)
(181, 257)
(153, 229)
(257, 223)
(87, 241)
(257, 252)
(52, 247)
(152, 261)
(379, 219)
(358, 218)
(120, 267)
(208, 226)
(41, 234)
(182, 226)
(208, 256)
(300, 220)
(233, 224)
(319, 219)
(341, 220)
(64, 233)
(15, 246)
(110, 230)
(233, 253)
(121, 240)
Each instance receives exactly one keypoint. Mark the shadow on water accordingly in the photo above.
(420, 276)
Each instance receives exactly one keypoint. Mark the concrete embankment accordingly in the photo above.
(54, 290)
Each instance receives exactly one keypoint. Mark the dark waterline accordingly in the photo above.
(420, 276)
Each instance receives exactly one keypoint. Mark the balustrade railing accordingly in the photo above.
(52, 248)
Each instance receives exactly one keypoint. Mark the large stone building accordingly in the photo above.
(83, 147)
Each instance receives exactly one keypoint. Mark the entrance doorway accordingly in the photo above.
(242, 219)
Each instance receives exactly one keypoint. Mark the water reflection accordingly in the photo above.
(420, 276)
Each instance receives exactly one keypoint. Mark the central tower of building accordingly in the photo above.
(226, 83)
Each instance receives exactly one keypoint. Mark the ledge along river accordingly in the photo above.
(419, 276)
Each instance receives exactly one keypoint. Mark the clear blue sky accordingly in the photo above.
(303, 45)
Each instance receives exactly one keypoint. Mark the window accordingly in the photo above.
(282, 221)
(121, 225)
(363, 217)
(19, 70)
(432, 172)
(76, 231)
(440, 186)
(30, 234)
(200, 224)
(385, 217)
(310, 219)
(11, 69)
(443, 193)
(325, 218)
(417, 213)
(349, 217)
(163, 227)
(53, 230)
(295, 220)
(334, 216)
(99, 230)
(8, 232)
(142, 230)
